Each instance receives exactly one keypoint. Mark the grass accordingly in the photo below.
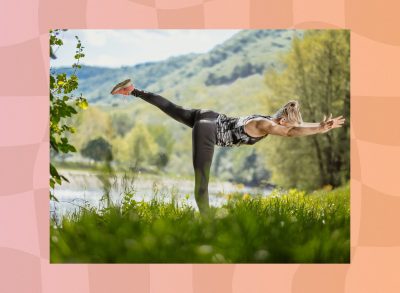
(286, 227)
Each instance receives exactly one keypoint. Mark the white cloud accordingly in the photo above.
(114, 48)
(106, 60)
(95, 37)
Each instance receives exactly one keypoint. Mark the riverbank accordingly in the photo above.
(92, 188)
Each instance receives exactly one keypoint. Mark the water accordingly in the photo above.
(89, 188)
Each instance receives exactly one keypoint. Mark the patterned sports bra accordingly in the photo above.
(230, 130)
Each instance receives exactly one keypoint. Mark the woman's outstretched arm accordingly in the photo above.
(315, 124)
(273, 128)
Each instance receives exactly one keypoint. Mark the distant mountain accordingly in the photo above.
(245, 55)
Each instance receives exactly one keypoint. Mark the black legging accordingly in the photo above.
(203, 123)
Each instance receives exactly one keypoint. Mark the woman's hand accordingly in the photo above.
(330, 123)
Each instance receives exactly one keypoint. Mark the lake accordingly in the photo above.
(88, 188)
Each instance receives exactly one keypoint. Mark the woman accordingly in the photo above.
(211, 128)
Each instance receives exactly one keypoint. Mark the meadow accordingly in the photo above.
(286, 227)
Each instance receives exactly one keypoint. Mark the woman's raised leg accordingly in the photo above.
(180, 114)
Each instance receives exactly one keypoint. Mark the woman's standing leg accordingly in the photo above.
(180, 114)
(203, 139)
(203, 123)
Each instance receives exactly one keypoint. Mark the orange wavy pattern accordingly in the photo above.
(375, 150)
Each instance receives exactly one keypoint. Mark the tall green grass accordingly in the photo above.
(286, 227)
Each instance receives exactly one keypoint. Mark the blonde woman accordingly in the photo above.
(210, 128)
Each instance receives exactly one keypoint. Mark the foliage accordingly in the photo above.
(121, 123)
(63, 105)
(98, 149)
(137, 149)
(285, 227)
(163, 138)
(243, 165)
(316, 72)
(93, 123)
(239, 71)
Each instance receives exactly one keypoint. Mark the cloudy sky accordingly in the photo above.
(115, 48)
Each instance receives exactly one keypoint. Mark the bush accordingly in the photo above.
(98, 149)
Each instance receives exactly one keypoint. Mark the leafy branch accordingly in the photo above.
(63, 105)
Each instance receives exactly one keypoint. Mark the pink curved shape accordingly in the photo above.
(366, 114)
(374, 269)
(355, 205)
(124, 278)
(22, 64)
(29, 130)
(271, 14)
(260, 278)
(379, 218)
(179, 18)
(16, 169)
(18, 225)
(19, 271)
(237, 16)
(375, 68)
(65, 278)
(328, 11)
(173, 278)
(18, 22)
(120, 14)
(374, 19)
(380, 167)
(320, 278)
(176, 4)
(212, 278)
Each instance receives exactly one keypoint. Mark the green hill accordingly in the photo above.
(228, 79)
(246, 55)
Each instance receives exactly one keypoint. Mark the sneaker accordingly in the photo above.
(123, 88)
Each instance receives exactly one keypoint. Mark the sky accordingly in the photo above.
(115, 48)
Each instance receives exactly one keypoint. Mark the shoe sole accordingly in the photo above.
(121, 85)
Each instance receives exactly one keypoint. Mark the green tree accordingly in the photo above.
(316, 72)
(92, 123)
(137, 149)
(98, 149)
(63, 105)
(121, 123)
(165, 142)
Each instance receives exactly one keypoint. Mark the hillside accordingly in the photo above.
(247, 54)
(228, 79)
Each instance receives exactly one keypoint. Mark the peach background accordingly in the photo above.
(24, 148)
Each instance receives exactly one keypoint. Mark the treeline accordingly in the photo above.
(116, 137)
(127, 142)
(317, 73)
(239, 71)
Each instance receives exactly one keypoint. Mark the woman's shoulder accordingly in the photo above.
(263, 116)
(261, 122)
(256, 117)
